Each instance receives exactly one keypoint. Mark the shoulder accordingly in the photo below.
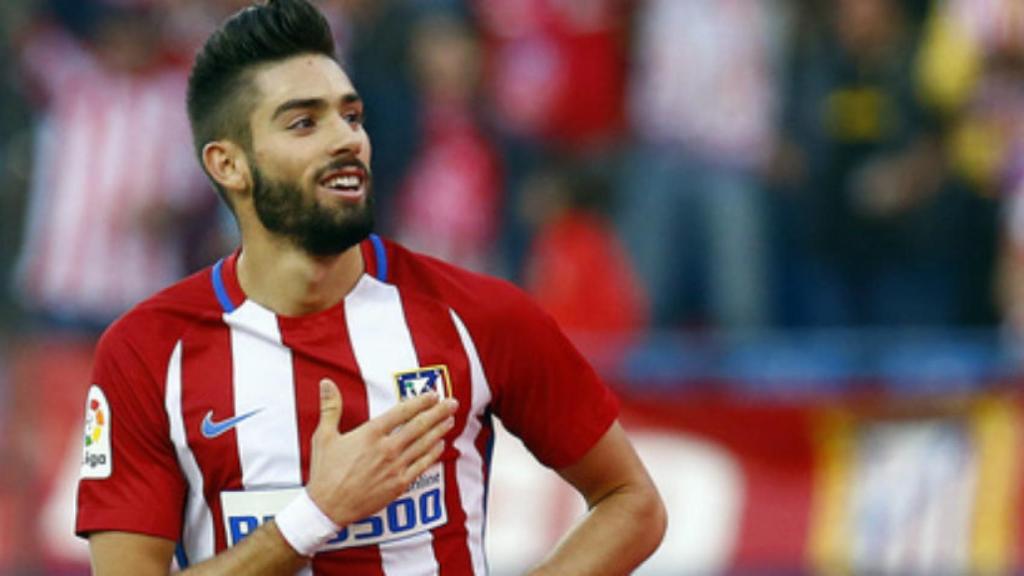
(478, 299)
(148, 332)
(537, 379)
(504, 324)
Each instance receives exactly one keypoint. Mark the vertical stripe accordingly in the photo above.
(143, 190)
(101, 218)
(383, 346)
(74, 180)
(206, 374)
(197, 539)
(181, 181)
(471, 467)
(32, 266)
(437, 342)
(321, 348)
(268, 443)
(130, 194)
(262, 379)
(380, 340)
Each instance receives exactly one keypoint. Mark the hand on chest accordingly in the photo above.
(250, 389)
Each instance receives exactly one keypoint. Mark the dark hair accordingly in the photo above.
(220, 85)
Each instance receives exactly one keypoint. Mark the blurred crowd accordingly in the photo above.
(635, 164)
(677, 164)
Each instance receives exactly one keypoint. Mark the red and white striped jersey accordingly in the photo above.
(199, 422)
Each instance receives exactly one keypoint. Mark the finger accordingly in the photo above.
(330, 407)
(424, 422)
(421, 445)
(420, 465)
(404, 411)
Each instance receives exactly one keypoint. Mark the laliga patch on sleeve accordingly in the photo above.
(97, 457)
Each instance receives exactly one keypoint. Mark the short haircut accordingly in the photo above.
(220, 86)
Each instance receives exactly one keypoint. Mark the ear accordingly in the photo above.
(228, 165)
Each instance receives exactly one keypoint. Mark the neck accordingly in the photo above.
(290, 282)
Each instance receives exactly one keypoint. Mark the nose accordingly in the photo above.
(347, 138)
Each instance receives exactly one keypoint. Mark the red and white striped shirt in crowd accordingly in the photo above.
(204, 403)
(449, 205)
(112, 150)
(704, 77)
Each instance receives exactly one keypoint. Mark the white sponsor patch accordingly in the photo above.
(419, 509)
(97, 457)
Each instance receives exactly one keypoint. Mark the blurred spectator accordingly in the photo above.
(113, 182)
(865, 174)
(554, 76)
(576, 268)
(14, 147)
(450, 202)
(556, 69)
(114, 171)
(886, 231)
(702, 102)
(374, 42)
(973, 70)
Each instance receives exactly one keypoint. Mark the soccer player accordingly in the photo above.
(321, 400)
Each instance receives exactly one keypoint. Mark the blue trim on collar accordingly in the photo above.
(382, 257)
(219, 289)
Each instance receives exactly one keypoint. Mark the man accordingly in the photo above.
(216, 419)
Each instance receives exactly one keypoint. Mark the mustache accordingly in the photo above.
(342, 163)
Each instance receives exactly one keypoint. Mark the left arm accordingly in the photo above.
(547, 394)
(625, 521)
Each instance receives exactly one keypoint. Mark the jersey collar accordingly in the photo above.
(230, 294)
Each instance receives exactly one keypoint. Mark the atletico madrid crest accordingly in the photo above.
(424, 381)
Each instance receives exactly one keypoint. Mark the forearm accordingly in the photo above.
(351, 475)
(617, 534)
(263, 553)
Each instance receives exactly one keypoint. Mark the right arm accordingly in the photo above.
(352, 475)
(265, 551)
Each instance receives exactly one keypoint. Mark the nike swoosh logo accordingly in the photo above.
(211, 429)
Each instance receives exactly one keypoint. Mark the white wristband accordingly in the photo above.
(305, 526)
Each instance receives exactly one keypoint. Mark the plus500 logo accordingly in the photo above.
(407, 516)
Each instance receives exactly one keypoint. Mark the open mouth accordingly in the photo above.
(348, 182)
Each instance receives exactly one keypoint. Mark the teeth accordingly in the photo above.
(347, 181)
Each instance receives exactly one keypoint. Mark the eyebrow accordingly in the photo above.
(312, 103)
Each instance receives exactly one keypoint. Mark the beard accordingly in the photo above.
(318, 230)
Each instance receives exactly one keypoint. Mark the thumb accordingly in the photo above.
(330, 406)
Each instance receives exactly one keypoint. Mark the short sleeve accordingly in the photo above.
(130, 480)
(544, 391)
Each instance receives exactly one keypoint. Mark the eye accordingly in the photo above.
(354, 117)
(301, 122)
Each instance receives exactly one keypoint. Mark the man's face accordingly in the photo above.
(310, 156)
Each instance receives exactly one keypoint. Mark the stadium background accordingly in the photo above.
(786, 231)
